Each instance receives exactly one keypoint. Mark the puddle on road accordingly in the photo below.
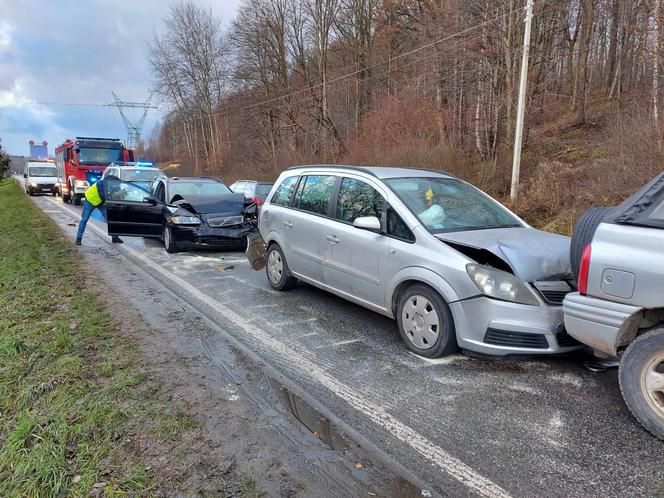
(321, 427)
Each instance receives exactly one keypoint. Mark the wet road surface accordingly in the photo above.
(545, 427)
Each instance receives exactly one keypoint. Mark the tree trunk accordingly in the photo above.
(581, 92)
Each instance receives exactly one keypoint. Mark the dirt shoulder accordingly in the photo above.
(163, 415)
(82, 411)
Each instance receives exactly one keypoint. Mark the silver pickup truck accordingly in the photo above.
(618, 257)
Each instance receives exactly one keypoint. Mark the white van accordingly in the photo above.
(41, 178)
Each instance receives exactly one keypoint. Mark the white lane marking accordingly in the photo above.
(349, 341)
(309, 334)
(448, 464)
(50, 211)
(288, 322)
(446, 360)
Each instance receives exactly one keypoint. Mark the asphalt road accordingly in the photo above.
(542, 427)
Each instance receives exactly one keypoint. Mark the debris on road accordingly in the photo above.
(256, 251)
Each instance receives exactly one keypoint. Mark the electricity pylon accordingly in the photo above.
(133, 127)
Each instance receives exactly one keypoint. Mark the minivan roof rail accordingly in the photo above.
(368, 169)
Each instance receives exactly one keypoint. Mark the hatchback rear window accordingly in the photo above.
(262, 189)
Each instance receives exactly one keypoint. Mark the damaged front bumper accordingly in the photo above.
(499, 328)
(234, 237)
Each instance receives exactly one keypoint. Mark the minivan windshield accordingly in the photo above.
(42, 171)
(451, 205)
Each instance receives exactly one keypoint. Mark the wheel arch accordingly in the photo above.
(637, 324)
(418, 275)
(273, 237)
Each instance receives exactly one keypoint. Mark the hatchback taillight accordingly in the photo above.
(584, 269)
(257, 200)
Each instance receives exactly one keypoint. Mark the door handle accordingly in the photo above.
(332, 238)
(288, 224)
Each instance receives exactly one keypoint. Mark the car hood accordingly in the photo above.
(224, 203)
(531, 254)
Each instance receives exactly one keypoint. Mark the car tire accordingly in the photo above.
(169, 242)
(643, 356)
(583, 234)
(425, 322)
(276, 269)
(77, 200)
(31, 192)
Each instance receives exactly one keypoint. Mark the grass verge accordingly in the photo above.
(73, 398)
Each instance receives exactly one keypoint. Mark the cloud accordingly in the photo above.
(5, 35)
(76, 52)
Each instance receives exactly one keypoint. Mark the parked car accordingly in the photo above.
(138, 173)
(619, 307)
(187, 213)
(450, 264)
(40, 177)
(255, 191)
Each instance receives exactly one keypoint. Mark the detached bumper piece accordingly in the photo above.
(515, 339)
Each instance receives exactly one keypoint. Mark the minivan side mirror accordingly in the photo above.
(367, 223)
(25, 175)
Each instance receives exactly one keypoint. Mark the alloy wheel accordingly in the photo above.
(420, 321)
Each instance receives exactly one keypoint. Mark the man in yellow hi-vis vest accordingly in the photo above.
(95, 198)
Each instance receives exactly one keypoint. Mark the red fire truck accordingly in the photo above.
(82, 161)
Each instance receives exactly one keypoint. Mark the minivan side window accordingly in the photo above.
(396, 227)
(357, 199)
(316, 193)
(283, 194)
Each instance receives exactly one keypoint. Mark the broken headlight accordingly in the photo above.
(185, 220)
(501, 285)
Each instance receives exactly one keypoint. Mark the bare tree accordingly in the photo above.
(190, 67)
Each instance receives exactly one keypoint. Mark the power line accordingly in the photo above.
(72, 104)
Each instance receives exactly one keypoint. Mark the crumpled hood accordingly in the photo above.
(225, 203)
(532, 254)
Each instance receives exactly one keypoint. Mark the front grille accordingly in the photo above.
(565, 340)
(515, 339)
(553, 292)
(225, 221)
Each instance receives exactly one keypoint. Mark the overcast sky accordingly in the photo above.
(76, 51)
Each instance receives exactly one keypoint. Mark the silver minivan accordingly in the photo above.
(453, 266)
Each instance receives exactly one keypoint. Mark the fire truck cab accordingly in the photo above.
(82, 161)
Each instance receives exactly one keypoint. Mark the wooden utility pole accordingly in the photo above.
(521, 109)
(655, 65)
